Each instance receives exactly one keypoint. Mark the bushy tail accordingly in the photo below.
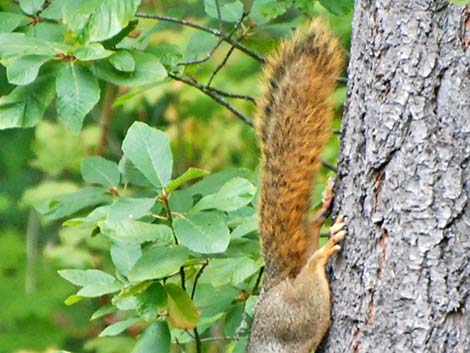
(294, 124)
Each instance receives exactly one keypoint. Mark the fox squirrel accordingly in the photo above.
(293, 311)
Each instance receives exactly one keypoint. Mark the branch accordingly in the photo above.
(219, 42)
(212, 31)
(211, 93)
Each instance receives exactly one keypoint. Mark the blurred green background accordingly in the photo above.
(43, 161)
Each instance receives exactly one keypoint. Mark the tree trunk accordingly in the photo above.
(402, 280)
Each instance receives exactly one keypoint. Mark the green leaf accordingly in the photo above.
(150, 301)
(131, 174)
(52, 32)
(118, 327)
(214, 182)
(94, 282)
(99, 289)
(188, 175)
(460, 2)
(65, 205)
(98, 214)
(306, 6)
(110, 17)
(155, 339)
(25, 105)
(181, 201)
(149, 150)
(97, 170)
(86, 277)
(182, 312)
(77, 93)
(263, 11)
(158, 262)
(122, 60)
(9, 21)
(103, 311)
(234, 194)
(147, 70)
(230, 11)
(249, 225)
(204, 233)
(229, 271)
(18, 44)
(93, 51)
(30, 7)
(72, 299)
(338, 7)
(129, 208)
(136, 232)
(124, 256)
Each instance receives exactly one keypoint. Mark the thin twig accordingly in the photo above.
(216, 338)
(210, 92)
(199, 273)
(258, 280)
(232, 95)
(166, 204)
(198, 341)
(219, 16)
(217, 45)
(329, 166)
(212, 31)
(229, 53)
(221, 65)
(206, 57)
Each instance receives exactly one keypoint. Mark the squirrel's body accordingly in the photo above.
(293, 310)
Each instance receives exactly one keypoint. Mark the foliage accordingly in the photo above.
(161, 248)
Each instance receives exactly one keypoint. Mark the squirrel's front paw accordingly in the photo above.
(337, 230)
(337, 233)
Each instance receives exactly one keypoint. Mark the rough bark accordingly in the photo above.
(402, 282)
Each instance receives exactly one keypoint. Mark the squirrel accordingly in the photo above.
(294, 124)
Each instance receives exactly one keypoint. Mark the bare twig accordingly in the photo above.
(231, 95)
(199, 273)
(221, 65)
(219, 16)
(198, 341)
(217, 45)
(206, 57)
(210, 92)
(258, 280)
(212, 31)
(229, 53)
(217, 338)
(330, 166)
